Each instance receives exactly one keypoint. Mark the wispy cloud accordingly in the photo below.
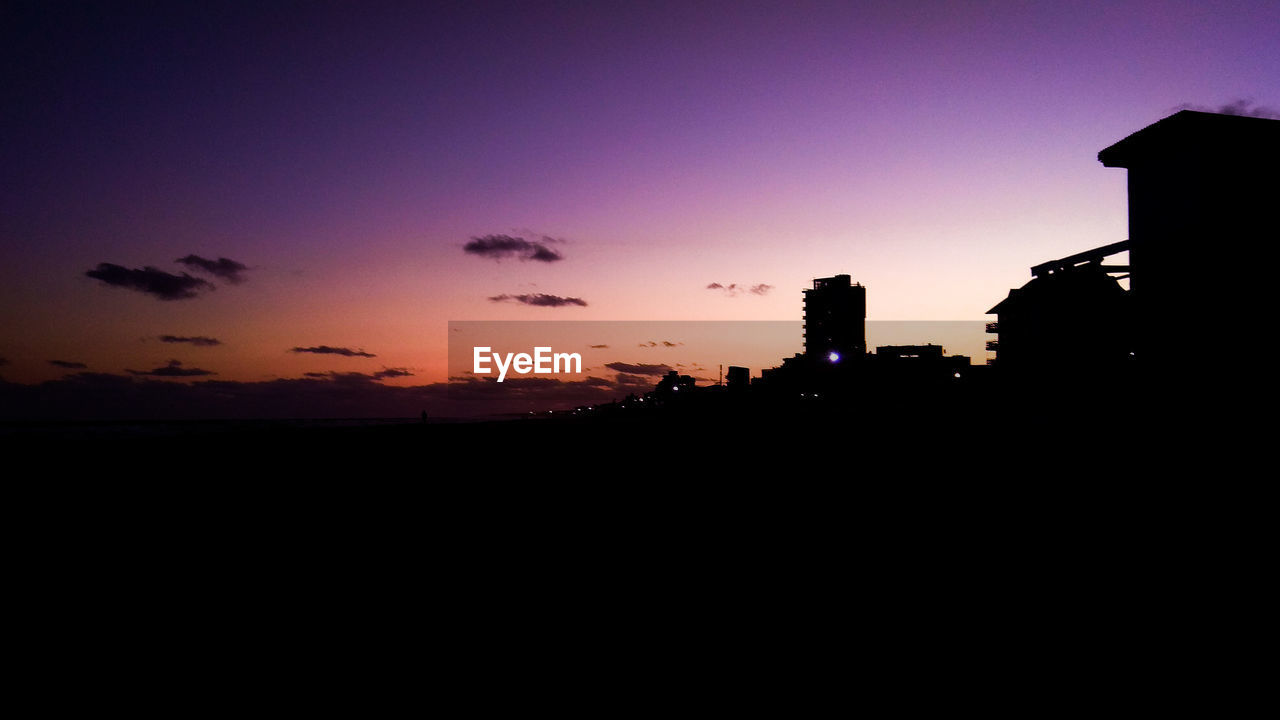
(225, 268)
(382, 374)
(734, 289)
(540, 300)
(639, 368)
(387, 372)
(497, 247)
(173, 369)
(1241, 106)
(90, 395)
(151, 281)
(326, 350)
(199, 340)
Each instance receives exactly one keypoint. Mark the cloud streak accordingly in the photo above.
(387, 372)
(225, 268)
(497, 247)
(326, 350)
(173, 369)
(89, 395)
(639, 368)
(540, 300)
(382, 374)
(199, 341)
(69, 365)
(152, 281)
(734, 289)
(1241, 106)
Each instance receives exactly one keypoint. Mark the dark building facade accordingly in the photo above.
(1075, 316)
(1201, 186)
(835, 319)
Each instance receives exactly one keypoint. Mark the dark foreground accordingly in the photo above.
(794, 550)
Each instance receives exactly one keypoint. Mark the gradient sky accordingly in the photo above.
(346, 153)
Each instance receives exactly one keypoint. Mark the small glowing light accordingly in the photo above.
(675, 389)
(957, 374)
(834, 356)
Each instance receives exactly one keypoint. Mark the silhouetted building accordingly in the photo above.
(835, 318)
(738, 378)
(1200, 185)
(922, 365)
(672, 384)
(1072, 313)
(909, 352)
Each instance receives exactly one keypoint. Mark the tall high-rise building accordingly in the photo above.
(835, 318)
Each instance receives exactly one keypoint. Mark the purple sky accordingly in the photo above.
(346, 152)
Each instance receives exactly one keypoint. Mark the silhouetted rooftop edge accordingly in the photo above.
(1194, 133)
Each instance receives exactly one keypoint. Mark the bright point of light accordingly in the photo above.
(834, 356)
(957, 374)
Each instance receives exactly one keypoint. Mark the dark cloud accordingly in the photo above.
(387, 372)
(382, 374)
(505, 246)
(173, 369)
(598, 347)
(326, 350)
(199, 340)
(540, 300)
(87, 395)
(224, 268)
(668, 343)
(633, 383)
(1242, 106)
(108, 396)
(733, 289)
(69, 365)
(639, 368)
(152, 281)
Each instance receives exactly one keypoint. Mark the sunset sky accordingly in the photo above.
(371, 171)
